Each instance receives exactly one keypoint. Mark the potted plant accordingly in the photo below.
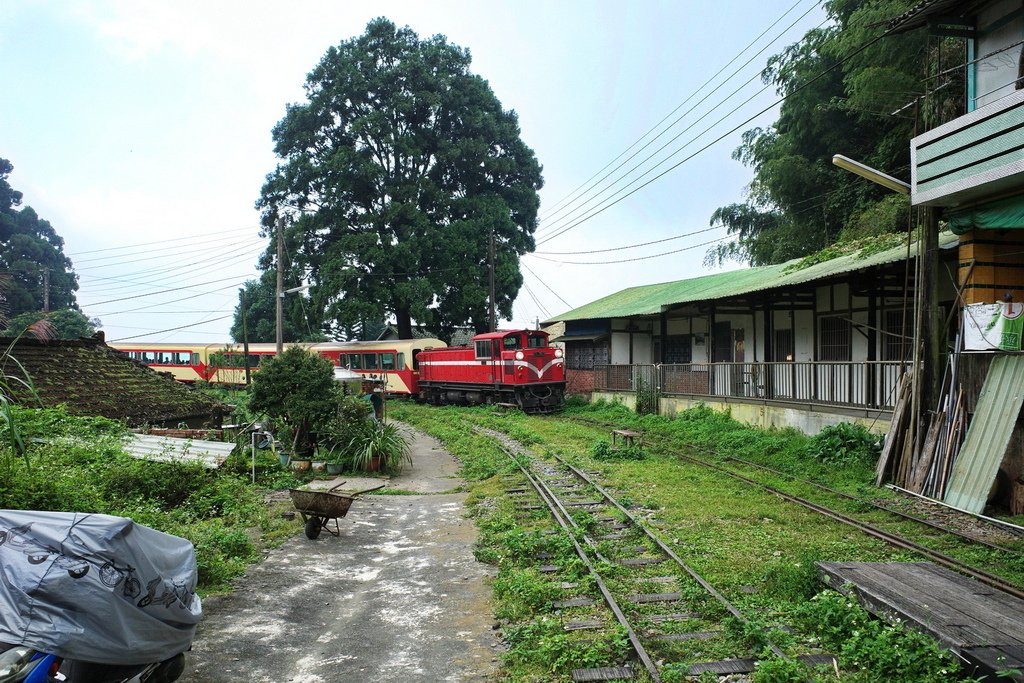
(380, 448)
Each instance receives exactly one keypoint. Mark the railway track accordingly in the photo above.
(875, 531)
(670, 614)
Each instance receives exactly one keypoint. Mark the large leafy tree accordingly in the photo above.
(63, 324)
(31, 255)
(394, 174)
(846, 93)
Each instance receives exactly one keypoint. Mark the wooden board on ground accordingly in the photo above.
(982, 624)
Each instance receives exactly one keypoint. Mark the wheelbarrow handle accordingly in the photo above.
(367, 490)
(336, 486)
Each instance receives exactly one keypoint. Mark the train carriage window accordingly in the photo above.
(355, 361)
(369, 361)
(401, 361)
(254, 360)
(195, 359)
(387, 362)
(483, 349)
(536, 341)
(149, 357)
(183, 358)
(415, 360)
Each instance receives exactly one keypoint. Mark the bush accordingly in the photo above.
(845, 443)
(602, 450)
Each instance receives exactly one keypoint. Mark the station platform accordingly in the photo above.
(983, 625)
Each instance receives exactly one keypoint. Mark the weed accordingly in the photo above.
(602, 450)
(844, 443)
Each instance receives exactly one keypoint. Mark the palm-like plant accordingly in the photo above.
(384, 443)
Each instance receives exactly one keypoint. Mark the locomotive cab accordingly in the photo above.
(517, 366)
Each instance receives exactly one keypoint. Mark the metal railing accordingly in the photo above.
(866, 384)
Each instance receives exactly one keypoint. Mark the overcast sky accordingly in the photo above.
(141, 131)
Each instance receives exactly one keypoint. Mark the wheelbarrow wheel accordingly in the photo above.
(313, 527)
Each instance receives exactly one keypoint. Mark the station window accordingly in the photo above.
(483, 349)
(387, 362)
(369, 361)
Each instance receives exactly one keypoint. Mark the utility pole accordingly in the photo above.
(245, 334)
(279, 292)
(46, 290)
(490, 258)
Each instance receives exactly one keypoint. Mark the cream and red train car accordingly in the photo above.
(390, 363)
(517, 367)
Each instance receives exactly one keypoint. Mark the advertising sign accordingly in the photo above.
(993, 327)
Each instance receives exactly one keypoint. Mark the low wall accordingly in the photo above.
(579, 382)
(809, 419)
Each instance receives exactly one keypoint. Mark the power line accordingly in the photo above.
(635, 167)
(171, 329)
(205, 236)
(162, 253)
(536, 301)
(161, 304)
(540, 280)
(630, 260)
(221, 265)
(729, 132)
(163, 291)
(678, 107)
(630, 246)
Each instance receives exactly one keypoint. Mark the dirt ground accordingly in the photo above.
(397, 597)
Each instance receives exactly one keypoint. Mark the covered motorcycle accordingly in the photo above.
(95, 588)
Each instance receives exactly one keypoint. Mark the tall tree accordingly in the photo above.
(846, 93)
(32, 256)
(63, 324)
(394, 174)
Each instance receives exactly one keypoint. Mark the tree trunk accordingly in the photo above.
(404, 323)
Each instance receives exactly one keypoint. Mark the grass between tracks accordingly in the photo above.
(752, 546)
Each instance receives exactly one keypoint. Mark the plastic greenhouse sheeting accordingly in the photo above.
(1001, 215)
(95, 588)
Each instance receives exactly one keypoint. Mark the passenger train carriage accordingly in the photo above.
(517, 367)
(392, 363)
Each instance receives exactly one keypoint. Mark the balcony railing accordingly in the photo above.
(868, 384)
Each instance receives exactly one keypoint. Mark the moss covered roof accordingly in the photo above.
(651, 299)
(93, 379)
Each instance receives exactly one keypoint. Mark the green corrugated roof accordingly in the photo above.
(651, 299)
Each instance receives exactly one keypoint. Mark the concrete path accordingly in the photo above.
(398, 597)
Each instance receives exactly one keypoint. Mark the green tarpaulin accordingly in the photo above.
(1006, 213)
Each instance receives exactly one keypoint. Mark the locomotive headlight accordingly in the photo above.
(520, 355)
(558, 353)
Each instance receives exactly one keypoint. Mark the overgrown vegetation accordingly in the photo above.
(78, 464)
(734, 535)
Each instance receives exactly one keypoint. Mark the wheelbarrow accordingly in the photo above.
(317, 508)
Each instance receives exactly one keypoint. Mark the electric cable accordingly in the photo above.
(540, 280)
(630, 260)
(163, 291)
(189, 238)
(171, 329)
(188, 246)
(630, 246)
(721, 137)
(637, 166)
(678, 107)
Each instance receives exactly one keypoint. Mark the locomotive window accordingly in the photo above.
(511, 343)
(387, 361)
(483, 349)
(354, 361)
(369, 361)
(401, 361)
(535, 341)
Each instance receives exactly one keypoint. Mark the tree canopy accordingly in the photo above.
(63, 324)
(31, 252)
(845, 94)
(394, 173)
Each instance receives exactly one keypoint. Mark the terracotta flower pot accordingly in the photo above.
(301, 465)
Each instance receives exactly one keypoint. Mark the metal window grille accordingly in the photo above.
(835, 339)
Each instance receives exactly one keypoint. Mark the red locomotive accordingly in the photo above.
(517, 367)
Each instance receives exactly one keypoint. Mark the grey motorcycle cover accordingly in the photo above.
(95, 588)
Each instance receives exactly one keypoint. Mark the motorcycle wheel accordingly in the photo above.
(313, 527)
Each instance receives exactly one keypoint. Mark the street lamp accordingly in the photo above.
(874, 175)
(279, 307)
